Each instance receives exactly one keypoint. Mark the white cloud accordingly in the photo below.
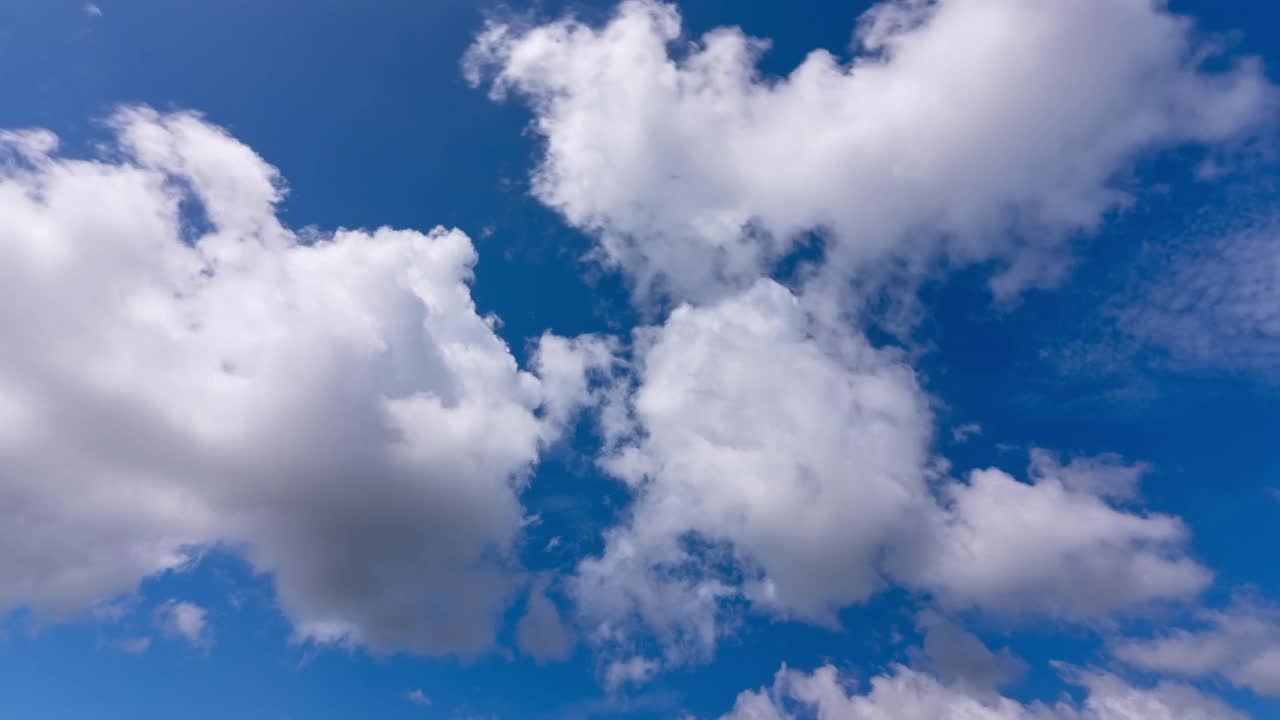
(181, 370)
(967, 130)
(1051, 547)
(744, 423)
(632, 671)
(970, 129)
(905, 694)
(419, 698)
(748, 414)
(782, 465)
(178, 618)
(1241, 644)
(570, 370)
(92, 10)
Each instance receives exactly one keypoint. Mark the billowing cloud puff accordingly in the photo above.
(1055, 547)
(973, 129)
(784, 465)
(769, 463)
(905, 694)
(182, 370)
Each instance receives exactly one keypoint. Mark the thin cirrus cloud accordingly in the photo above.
(724, 452)
(1202, 302)
(182, 370)
(1212, 302)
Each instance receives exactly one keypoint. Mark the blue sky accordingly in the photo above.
(947, 362)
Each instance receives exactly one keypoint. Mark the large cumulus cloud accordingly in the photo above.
(180, 369)
(1047, 548)
(970, 129)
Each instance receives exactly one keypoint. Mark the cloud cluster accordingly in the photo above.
(779, 460)
(768, 464)
(905, 694)
(784, 466)
(182, 619)
(182, 370)
(970, 130)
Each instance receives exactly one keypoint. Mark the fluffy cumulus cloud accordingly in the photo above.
(743, 422)
(966, 129)
(1055, 546)
(1240, 644)
(180, 370)
(783, 466)
(959, 131)
(905, 694)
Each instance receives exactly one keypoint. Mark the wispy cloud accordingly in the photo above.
(1214, 303)
(186, 620)
(134, 645)
(1205, 301)
(962, 433)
